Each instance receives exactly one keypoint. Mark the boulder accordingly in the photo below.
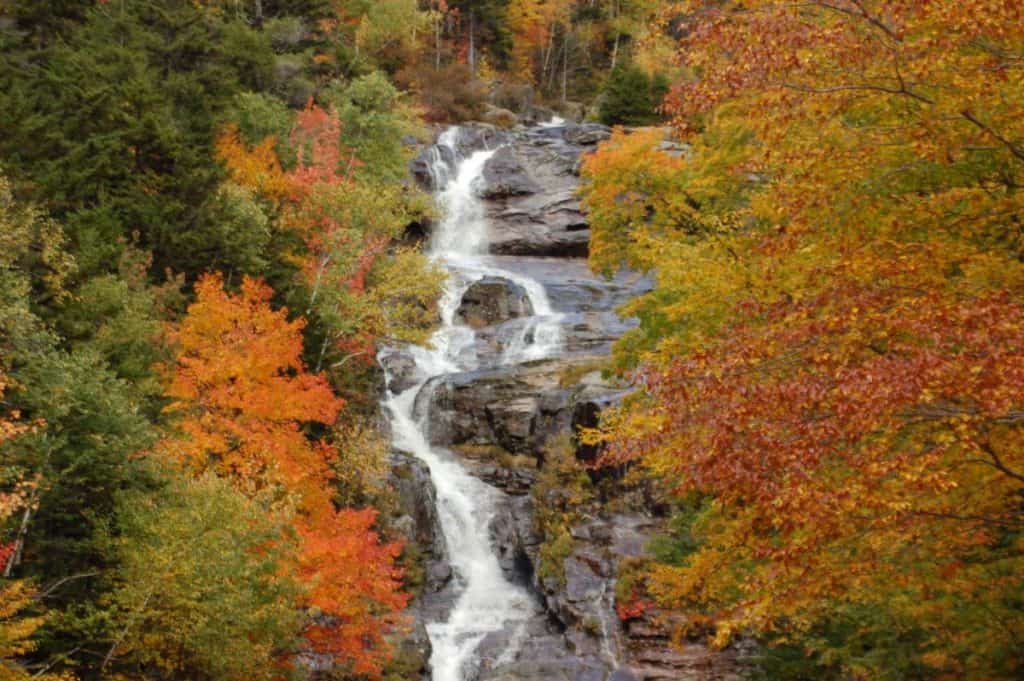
(587, 134)
(515, 409)
(536, 114)
(401, 370)
(492, 300)
(504, 176)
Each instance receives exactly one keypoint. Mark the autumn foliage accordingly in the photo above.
(832, 363)
(257, 168)
(243, 400)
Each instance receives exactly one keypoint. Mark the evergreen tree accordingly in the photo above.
(630, 98)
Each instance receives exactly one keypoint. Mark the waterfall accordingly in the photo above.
(487, 601)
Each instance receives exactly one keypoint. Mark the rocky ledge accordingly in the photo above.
(529, 185)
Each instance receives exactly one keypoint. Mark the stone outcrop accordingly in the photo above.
(547, 220)
(400, 369)
(505, 176)
(491, 300)
(500, 423)
(530, 183)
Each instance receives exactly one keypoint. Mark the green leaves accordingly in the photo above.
(199, 591)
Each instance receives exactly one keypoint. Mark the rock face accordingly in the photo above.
(417, 520)
(547, 220)
(492, 300)
(505, 176)
(401, 370)
(530, 183)
(499, 420)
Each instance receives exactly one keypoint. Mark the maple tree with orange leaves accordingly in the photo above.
(242, 396)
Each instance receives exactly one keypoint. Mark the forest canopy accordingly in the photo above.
(208, 231)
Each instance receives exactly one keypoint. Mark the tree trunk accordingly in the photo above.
(19, 543)
(472, 44)
(565, 66)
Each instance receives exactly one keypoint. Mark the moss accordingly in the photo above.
(491, 452)
(574, 373)
(632, 579)
(553, 554)
(561, 497)
(407, 663)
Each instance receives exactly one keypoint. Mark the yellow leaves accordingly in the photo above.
(15, 630)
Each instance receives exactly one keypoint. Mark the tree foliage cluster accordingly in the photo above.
(832, 361)
(200, 215)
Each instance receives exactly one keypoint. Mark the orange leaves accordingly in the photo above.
(888, 96)
(353, 579)
(243, 396)
(257, 168)
(242, 390)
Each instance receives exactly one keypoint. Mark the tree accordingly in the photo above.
(201, 589)
(629, 98)
(831, 359)
(122, 114)
(257, 168)
(242, 396)
(241, 392)
(374, 122)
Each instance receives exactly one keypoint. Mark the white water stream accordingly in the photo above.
(487, 601)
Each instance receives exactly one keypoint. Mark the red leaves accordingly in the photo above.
(633, 609)
(863, 413)
(317, 136)
(355, 584)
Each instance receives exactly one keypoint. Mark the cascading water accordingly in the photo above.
(487, 601)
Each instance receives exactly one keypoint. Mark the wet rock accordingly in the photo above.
(474, 407)
(587, 134)
(421, 167)
(623, 675)
(478, 136)
(513, 481)
(471, 137)
(418, 520)
(529, 233)
(402, 372)
(414, 489)
(504, 176)
(512, 556)
(438, 574)
(491, 300)
(538, 655)
(547, 220)
(537, 114)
